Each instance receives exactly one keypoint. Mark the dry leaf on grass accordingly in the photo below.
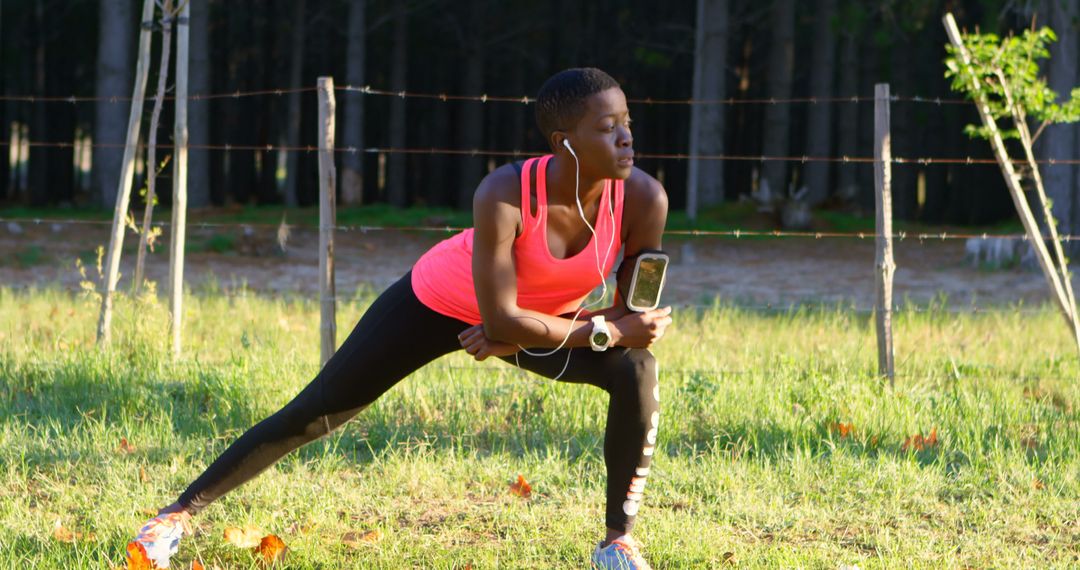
(919, 443)
(125, 446)
(63, 534)
(521, 488)
(355, 539)
(271, 549)
(247, 537)
(844, 430)
(196, 565)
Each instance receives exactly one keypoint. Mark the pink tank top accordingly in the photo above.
(442, 278)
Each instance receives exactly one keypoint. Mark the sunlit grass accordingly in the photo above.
(752, 466)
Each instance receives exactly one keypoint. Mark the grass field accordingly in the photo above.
(777, 446)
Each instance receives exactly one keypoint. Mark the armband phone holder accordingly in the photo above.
(641, 279)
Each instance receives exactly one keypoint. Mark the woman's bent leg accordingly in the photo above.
(629, 375)
(396, 335)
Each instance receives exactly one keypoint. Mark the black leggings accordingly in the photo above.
(396, 336)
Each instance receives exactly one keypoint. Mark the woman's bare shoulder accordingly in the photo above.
(501, 186)
(644, 195)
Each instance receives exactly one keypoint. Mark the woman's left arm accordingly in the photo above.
(645, 208)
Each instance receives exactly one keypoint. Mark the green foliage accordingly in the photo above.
(1016, 59)
(217, 243)
(30, 256)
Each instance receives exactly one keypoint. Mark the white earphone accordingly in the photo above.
(599, 266)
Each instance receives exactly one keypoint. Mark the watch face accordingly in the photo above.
(600, 339)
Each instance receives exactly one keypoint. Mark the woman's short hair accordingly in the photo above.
(560, 104)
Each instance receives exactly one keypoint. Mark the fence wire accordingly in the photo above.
(901, 160)
(921, 237)
(485, 98)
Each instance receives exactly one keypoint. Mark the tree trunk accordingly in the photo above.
(847, 121)
(777, 117)
(1059, 141)
(904, 135)
(819, 121)
(352, 163)
(199, 83)
(113, 80)
(292, 137)
(705, 178)
(239, 165)
(869, 71)
(396, 181)
(471, 129)
(39, 126)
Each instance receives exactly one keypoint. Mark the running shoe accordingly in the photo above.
(160, 537)
(621, 554)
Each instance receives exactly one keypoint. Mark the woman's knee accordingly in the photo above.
(636, 371)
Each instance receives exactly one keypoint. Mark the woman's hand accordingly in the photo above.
(641, 330)
(476, 343)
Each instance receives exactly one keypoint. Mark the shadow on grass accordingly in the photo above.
(217, 408)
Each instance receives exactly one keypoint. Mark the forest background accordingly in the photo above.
(750, 50)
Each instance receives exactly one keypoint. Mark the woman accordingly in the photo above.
(516, 279)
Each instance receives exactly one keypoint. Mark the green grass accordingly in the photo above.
(749, 464)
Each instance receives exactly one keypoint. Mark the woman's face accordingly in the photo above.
(602, 138)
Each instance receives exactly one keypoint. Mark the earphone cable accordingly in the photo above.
(599, 266)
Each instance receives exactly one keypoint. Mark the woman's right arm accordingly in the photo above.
(496, 219)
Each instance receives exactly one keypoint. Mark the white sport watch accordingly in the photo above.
(600, 337)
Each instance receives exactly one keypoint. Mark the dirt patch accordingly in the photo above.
(776, 272)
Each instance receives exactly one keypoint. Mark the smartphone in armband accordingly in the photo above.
(640, 284)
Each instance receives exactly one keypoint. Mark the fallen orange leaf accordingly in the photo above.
(143, 477)
(63, 534)
(931, 440)
(196, 565)
(1038, 484)
(272, 549)
(247, 537)
(125, 446)
(919, 443)
(521, 488)
(845, 430)
(137, 559)
(355, 539)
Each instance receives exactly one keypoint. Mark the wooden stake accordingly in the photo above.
(1062, 267)
(884, 257)
(127, 172)
(152, 169)
(327, 218)
(179, 206)
(1012, 181)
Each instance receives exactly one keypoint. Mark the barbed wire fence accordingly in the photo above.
(328, 148)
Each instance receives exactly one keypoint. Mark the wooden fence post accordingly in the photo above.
(884, 266)
(127, 172)
(179, 205)
(327, 218)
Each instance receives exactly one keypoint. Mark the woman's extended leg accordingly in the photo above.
(396, 335)
(629, 375)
